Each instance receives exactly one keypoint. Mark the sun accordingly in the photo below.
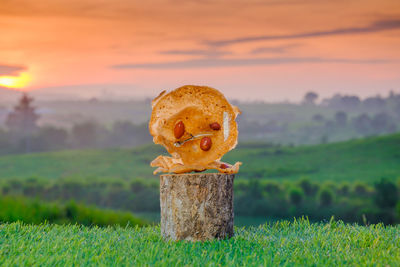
(17, 82)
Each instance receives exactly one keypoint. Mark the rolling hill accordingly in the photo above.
(363, 159)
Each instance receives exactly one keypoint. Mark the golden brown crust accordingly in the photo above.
(197, 107)
(168, 164)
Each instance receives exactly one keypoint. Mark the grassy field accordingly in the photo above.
(33, 211)
(241, 221)
(364, 159)
(283, 243)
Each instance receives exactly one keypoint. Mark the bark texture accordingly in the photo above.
(196, 207)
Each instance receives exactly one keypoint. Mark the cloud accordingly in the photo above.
(212, 52)
(11, 70)
(196, 52)
(274, 49)
(377, 26)
(224, 62)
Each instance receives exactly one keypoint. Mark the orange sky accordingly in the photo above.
(270, 50)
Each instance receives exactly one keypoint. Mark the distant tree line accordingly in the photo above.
(338, 118)
(354, 102)
(362, 125)
(23, 135)
(350, 202)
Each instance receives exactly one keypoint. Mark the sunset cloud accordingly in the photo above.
(196, 52)
(227, 62)
(11, 69)
(274, 49)
(281, 45)
(377, 26)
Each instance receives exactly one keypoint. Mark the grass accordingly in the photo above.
(363, 159)
(284, 243)
(154, 217)
(17, 208)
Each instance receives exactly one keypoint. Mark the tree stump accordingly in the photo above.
(196, 207)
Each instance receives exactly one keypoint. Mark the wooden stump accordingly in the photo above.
(196, 207)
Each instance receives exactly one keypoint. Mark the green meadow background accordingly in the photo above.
(319, 185)
(355, 181)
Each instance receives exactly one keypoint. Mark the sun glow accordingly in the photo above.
(17, 82)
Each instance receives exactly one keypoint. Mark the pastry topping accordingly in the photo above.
(205, 143)
(215, 126)
(179, 130)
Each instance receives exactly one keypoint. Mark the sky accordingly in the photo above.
(272, 50)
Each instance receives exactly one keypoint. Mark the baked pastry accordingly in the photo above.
(196, 124)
